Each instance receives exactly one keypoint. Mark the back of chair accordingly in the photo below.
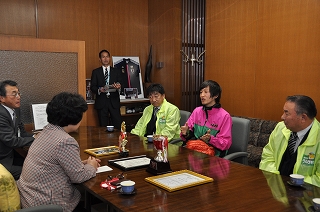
(240, 137)
(184, 117)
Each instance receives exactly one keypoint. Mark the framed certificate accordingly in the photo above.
(131, 162)
(39, 115)
(103, 151)
(178, 180)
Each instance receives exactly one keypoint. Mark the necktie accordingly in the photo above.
(155, 111)
(292, 142)
(106, 76)
(14, 118)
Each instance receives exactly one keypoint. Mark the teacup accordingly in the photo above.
(150, 138)
(110, 128)
(316, 203)
(296, 179)
(127, 186)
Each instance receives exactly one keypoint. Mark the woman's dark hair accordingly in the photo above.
(214, 87)
(304, 104)
(3, 84)
(156, 87)
(66, 108)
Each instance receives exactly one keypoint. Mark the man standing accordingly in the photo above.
(13, 134)
(105, 83)
(160, 118)
(294, 143)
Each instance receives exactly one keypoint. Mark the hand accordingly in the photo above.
(36, 134)
(93, 162)
(184, 129)
(102, 90)
(116, 85)
(206, 137)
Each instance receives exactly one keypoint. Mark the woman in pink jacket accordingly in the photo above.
(209, 123)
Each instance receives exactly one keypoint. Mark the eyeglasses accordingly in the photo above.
(157, 96)
(15, 94)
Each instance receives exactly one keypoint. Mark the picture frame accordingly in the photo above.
(103, 151)
(130, 74)
(130, 163)
(131, 93)
(178, 180)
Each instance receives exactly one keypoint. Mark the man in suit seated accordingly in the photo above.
(12, 134)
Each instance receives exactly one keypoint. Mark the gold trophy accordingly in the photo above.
(123, 141)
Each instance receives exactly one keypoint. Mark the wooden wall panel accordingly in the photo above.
(123, 29)
(18, 18)
(261, 52)
(231, 52)
(72, 20)
(165, 37)
(288, 54)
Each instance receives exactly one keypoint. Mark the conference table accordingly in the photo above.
(235, 187)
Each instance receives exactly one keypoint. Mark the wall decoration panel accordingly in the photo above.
(40, 75)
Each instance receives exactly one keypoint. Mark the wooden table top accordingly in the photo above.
(236, 187)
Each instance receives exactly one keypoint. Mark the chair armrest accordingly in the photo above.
(174, 141)
(235, 155)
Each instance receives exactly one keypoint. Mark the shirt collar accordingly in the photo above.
(10, 110)
(302, 133)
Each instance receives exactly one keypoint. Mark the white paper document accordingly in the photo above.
(104, 169)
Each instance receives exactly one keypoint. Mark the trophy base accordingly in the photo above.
(157, 168)
(124, 154)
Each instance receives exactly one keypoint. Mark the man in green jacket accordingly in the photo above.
(159, 118)
(285, 155)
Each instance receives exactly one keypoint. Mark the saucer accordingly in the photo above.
(299, 186)
(131, 193)
(311, 209)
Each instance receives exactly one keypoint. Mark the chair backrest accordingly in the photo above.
(184, 117)
(240, 135)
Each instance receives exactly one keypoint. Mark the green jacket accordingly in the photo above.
(308, 155)
(168, 121)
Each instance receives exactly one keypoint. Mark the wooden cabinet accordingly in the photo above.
(131, 111)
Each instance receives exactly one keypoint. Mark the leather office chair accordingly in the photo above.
(240, 137)
(184, 115)
(42, 208)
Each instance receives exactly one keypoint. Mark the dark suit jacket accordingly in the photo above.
(9, 136)
(97, 81)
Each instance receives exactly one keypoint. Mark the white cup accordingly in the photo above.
(296, 179)
(127, 186)
(316, 203)
(150, 138)
(110, 128)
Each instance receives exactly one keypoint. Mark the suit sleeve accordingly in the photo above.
(94, 82)
(8, 137)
